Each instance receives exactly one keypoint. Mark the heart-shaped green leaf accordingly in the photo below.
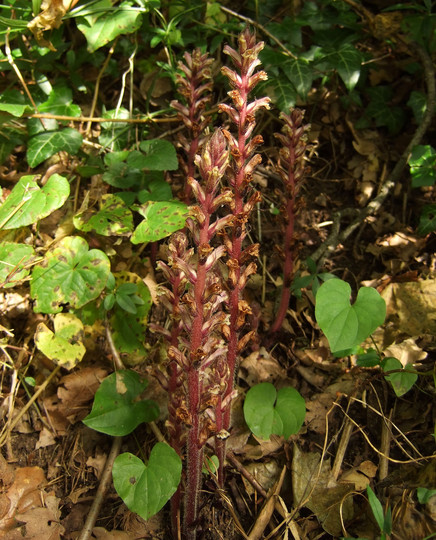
(70, 273)
(161, 218)
(346, 325)
(28, 203)
(268, 412)
(113, 218)
(402, 381)
(64, 346)
(160, 155)
(146, 488)
(116, 409)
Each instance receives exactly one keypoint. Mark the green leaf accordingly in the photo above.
(376, 508)
(113, 218)
(370, 358)
(157, 189)
(269, 412)
(60, 102)
(422, 164)
(46, 144)
(28, 203)
(102, 27)
(14, 103)
(64, 346)
(427, 220)
(122, 175)
(128, 329)
(70, 273)
(418, 103)
(347, 60)
(401, 381)
(346, 325)
(161, 218)
(291, 408)
(424, 494)
(160, 155)
(283, 93)
(301, 75)
(146, 488)
(126, 303)
(116, 409)
(13, 261)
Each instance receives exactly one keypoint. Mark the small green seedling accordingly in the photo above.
(313, 280)
(125, 296)
(384, 521)
(117, 410)
(268, 412)
(347, 325)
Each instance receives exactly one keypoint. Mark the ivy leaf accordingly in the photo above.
(346, 325)
(14, 103)
(108, 22)
(28, 203)
(283, 93)
(70, 273)
(422, 164)
(113, 218)
(60, 102)
(116, 410)
(427, 220)
(146, 488)
(64, 346)
(46, 144)
(301, 75)
(347, 60)
(161, 218)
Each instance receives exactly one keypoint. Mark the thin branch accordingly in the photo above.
(336, 237)
(261, 28)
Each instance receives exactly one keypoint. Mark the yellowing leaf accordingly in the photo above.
(64, 346)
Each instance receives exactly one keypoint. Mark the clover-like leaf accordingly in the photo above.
(113, 218)
(70, 273)
(64, 346)
(346, 325)
(146, 488)
(268, 412)
(28, 203)
(116, 409)
(47, 143)
(161, 218)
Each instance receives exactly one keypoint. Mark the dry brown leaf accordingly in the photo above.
(265, 472)
(26, 502)
(45, 438)
(360, 476)
(412, 305)
(407, 352)
(260, 366)
(315, 488)
(98, 462)
(50, 17)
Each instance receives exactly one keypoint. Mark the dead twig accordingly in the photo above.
(337, 237)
